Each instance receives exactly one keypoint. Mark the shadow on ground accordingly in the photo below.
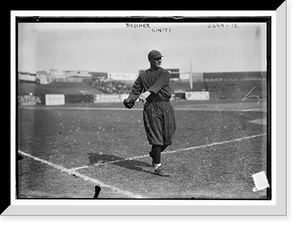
(135, 165)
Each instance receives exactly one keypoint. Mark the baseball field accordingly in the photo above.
(100, 151)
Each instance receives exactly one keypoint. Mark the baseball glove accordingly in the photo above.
(128, 103)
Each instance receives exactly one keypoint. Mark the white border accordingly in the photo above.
(162, 13)
(172, 207)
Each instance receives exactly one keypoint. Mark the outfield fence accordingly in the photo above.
(61, 99)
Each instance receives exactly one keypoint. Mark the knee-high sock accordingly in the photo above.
(156, 153)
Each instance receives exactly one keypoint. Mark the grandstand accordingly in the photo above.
(230, 91)
(110, 86)
(70, 88)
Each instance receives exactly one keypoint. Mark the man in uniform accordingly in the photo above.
(152, 88)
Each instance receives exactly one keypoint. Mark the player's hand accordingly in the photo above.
(144, 96)
(128, 103)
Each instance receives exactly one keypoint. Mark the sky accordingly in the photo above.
(123, 47)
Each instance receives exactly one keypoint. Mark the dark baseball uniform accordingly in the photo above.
(158, 113)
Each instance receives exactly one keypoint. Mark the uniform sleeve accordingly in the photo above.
(162, 81)
(136, 89)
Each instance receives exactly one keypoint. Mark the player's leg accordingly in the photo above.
(168, 124)
(153, 124)
(156, 154)
(154, 130)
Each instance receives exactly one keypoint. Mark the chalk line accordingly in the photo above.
(171, 152)
(81, 108)
(205, 108)
(82, 176)
(254, 109)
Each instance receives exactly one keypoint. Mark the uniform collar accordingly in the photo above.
(152, 70)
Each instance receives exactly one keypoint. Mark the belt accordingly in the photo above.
(158, 99)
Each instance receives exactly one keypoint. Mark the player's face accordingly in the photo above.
(155, 62)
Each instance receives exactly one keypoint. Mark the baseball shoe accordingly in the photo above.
(160, 172)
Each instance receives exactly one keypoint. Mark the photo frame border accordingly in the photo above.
(196, 207)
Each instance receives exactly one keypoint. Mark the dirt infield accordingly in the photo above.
(69, 151)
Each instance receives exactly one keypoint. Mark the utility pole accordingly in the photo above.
(191, 75)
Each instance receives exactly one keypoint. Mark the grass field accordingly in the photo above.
(68, 151)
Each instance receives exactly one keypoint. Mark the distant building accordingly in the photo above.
(122, 76)
(43, 77)
(62, 75)
(234, 76)
(26, 76)
(197, 76)
(99, 75)
(58, 74)
(71, 73)
(83, 74)
(184, 77)
(41, 73)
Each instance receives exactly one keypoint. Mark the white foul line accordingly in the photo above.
(215, 143)
(83, 177)
(80, 108)
(255, 109)
(172, 151)
(136, 109)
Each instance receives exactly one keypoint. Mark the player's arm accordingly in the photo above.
(134, 94)
(162, 81)
(144, 96)
(136, 89)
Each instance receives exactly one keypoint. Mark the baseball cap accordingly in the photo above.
(154, 54)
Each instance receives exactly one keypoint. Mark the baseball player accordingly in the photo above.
(152, 88)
